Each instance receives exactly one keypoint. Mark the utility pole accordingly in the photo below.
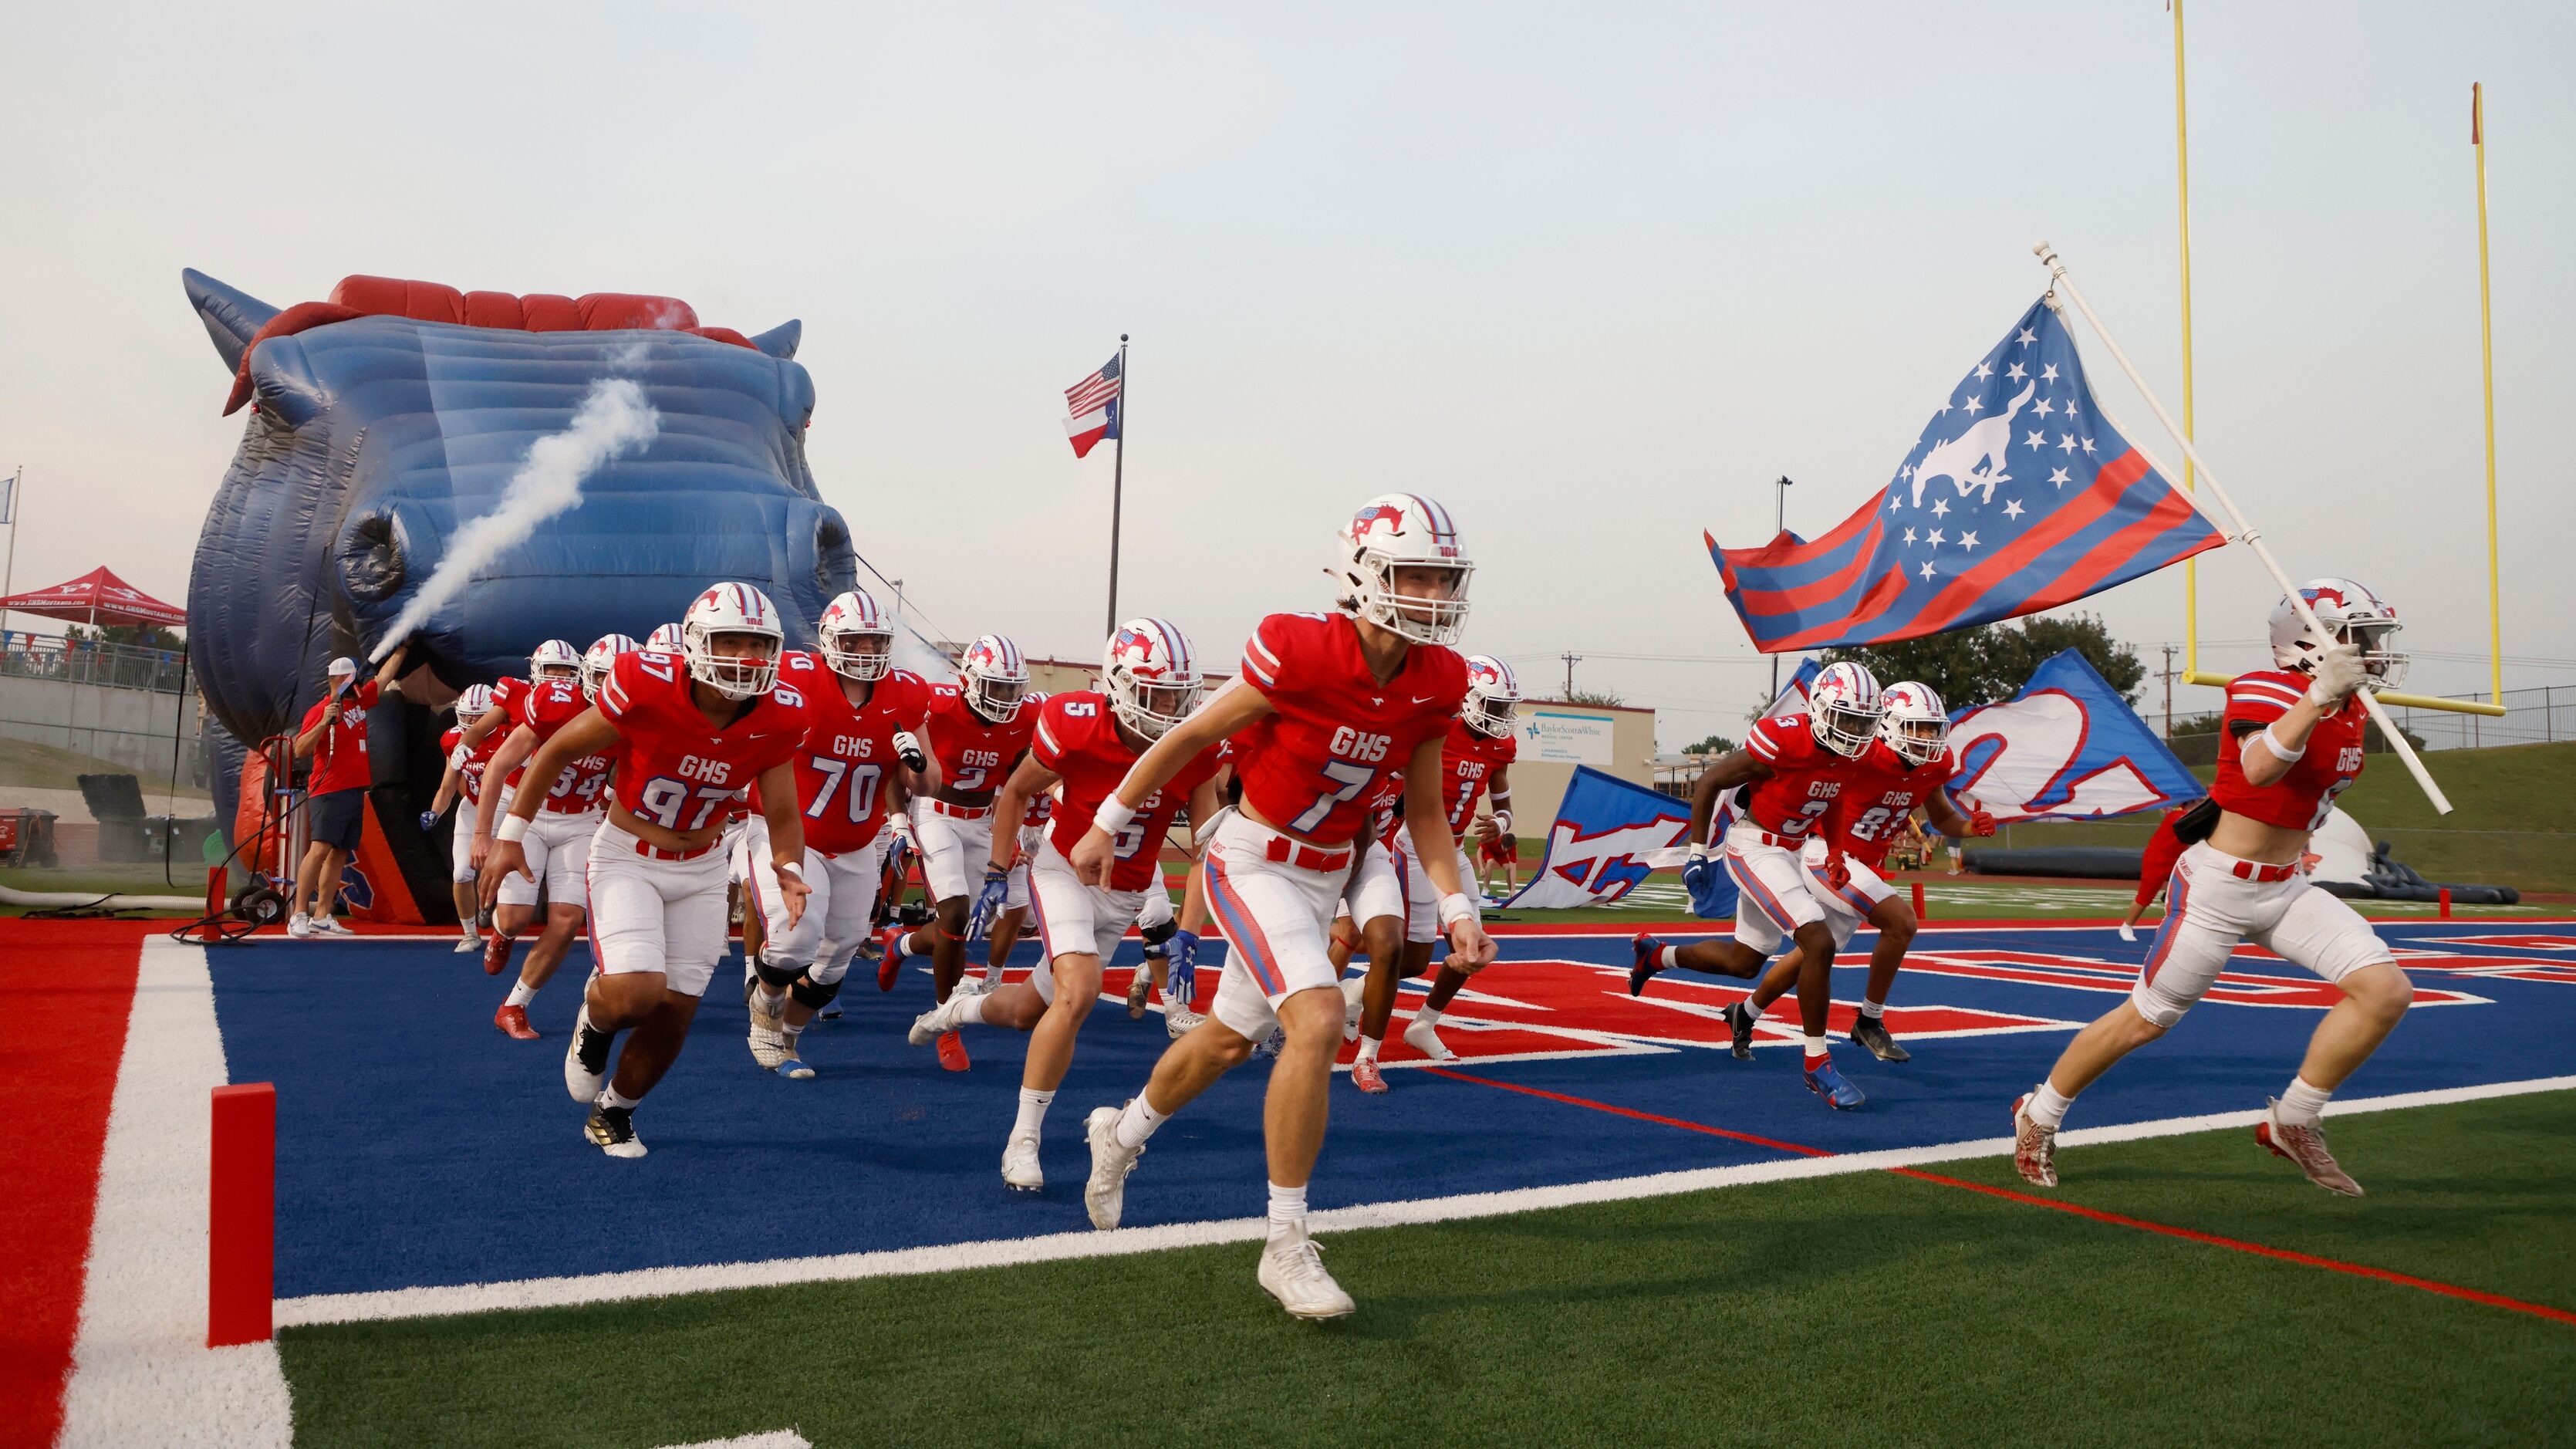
(1779, 524)
(2169, 679)
(1571, 659)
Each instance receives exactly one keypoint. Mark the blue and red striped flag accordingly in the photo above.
(2019, 496)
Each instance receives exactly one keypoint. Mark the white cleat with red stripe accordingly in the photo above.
(2305, 1144)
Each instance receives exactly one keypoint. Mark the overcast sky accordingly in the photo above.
(1591, 279)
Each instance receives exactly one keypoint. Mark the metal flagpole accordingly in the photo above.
(2486, 352)
(1117, 484)
(2182, 201)
(1779, 522)
(2245, 531)
(9, 583)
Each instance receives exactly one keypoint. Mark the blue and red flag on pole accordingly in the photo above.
(1092, 405)
(2020, 496)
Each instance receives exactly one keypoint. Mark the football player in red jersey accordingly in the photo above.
(859, 760)
(558, 848)
(1328, 704)
(1797, 766)
(689, 734)
(1088, 740)
(463, 780)
(553, 661)
(2293, 741)
(1904, 770)
(977, 731)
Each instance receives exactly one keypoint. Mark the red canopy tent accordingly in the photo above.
(96, 597)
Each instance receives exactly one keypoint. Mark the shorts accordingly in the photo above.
(1772, 899)
(2209, 908)
(1848, 909)
(729, 845)
(1075, 919)
(1421, 897)
(1275, 914)
(337, 819)
(1157, 909)
(1377, 890)
(656, 915)
(461, 849)
(1493, 852)
(954, 851)
(558, 849)
(842, 900)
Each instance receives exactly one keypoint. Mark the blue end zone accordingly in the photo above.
(418, 1146)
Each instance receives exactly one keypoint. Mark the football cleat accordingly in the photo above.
(1180, 1021)
(1644, 950)
(2034, 1146)
(888, 967)
(1827, 1083)
(1423, 1037)
(612, 1130)
(930, 1025)
(1292, 1271)
(794, 1068)
(1366, 1076)
(1871, 1032)
(769, 1048)
(765, 1009)
(1138, 989)
(2304, 1144)
(1020, 1170)
(952, 1051)
(496, 954)
(1104, 1194)
(586, 1059)
(513, 1020)
(465, 944)
(1354, 1003)
(1740, 1019)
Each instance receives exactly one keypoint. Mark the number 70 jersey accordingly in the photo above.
(848, 760)
(675, 768)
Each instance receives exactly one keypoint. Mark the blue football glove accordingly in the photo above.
(1180, 969)
(988, 902)
(429, 820)
(1696, 872)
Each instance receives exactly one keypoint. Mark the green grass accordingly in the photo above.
(44, 767)
(1869, 1308)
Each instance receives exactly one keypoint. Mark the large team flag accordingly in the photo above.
(1714, 899)
(1608, 835)
(1093, 403)
(2067, 747)
(2019, 496)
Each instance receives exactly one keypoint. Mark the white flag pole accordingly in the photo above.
(2245, 532)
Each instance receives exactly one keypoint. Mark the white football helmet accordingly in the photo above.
(1493, 697)
(664, 640)
(473, 704)
(1150, 676)
(600, 658)
(2350, 613)
(1408, 532)
(856, 640)
(1915, 725)
(1843, 708)
(731, 609)
(993, 677)
(554, 659)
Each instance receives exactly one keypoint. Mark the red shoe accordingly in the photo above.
(514, 1020)
(1366, 1076)
(952, 1052)
(888, 966)
(496, 954)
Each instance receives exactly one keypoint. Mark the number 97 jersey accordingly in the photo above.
(848, 759)
(674, 767)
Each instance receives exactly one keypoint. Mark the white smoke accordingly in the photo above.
(612, 421)
(915, 653)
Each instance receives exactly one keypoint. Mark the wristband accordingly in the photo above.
(1699, 850)
(2279, 750)
(1455, 907)
(513, 827)
(795, 868)
(1113, 815)
(1503, 821)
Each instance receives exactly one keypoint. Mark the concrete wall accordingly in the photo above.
(129, 726)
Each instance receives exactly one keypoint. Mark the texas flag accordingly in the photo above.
(2019, 496)
(1094, 405)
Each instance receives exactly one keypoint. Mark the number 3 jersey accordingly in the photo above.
(1336, 731)
(674, 767)
(546, 708)
(1882, 789)
(848, 760)
(975, 754)
(1805, 779)
(1078, 740)
(2300, 799)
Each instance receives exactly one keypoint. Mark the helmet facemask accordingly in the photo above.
(1845, 730)
(1150, 707)
(1416, 600)
(861, 655)
(736, 663)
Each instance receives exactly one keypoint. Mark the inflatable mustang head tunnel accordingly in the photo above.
(387, 419)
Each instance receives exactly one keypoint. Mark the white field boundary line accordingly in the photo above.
(401, 1303)
(141, 1371)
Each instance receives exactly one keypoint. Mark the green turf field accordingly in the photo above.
(1860, 1309)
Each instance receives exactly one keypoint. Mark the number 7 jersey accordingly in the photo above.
(1336, 731)
(675, 768)
(848, 760)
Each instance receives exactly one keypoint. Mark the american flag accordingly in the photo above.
(1093, 403)
(2019, 496)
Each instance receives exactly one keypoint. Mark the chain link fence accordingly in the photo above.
(28, 655)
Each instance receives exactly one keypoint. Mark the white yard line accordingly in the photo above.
(774, 1439)
(142, 1373)
(1057, 1247)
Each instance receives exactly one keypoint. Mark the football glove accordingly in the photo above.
(1697, 869)
(1981, 822)
(1837, 869)
(2338, 674)
(908, 750)
(1181, 969)
(429, 820)
(988, 902)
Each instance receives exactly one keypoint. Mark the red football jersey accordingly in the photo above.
(1076, 738)
(340, 755)
(1805, 778)
(2156, 862)
(1336, 732)
(469, 775)
(841, 772)
(2300, 799)
(1466, 759)
(1881, 790)
(546, 708)
(673, 767)
(974, 754)
(1385, 814)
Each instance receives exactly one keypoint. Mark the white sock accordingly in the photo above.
(1816, 1051)
(790, 1030)
(1287, 1209)
(1669, 957)
(966, 1010)
(1138, 1122)
(608, 1098)
(2047, 1106)
(521, 993)
(1368, 1048)
(1752, 1008)
(2301, 1104)
(466, 927)
(1033, 1110)
(1427, 1016)
(1872, 1009)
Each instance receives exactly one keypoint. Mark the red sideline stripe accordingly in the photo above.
(1776, 1146)
(69, 986)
